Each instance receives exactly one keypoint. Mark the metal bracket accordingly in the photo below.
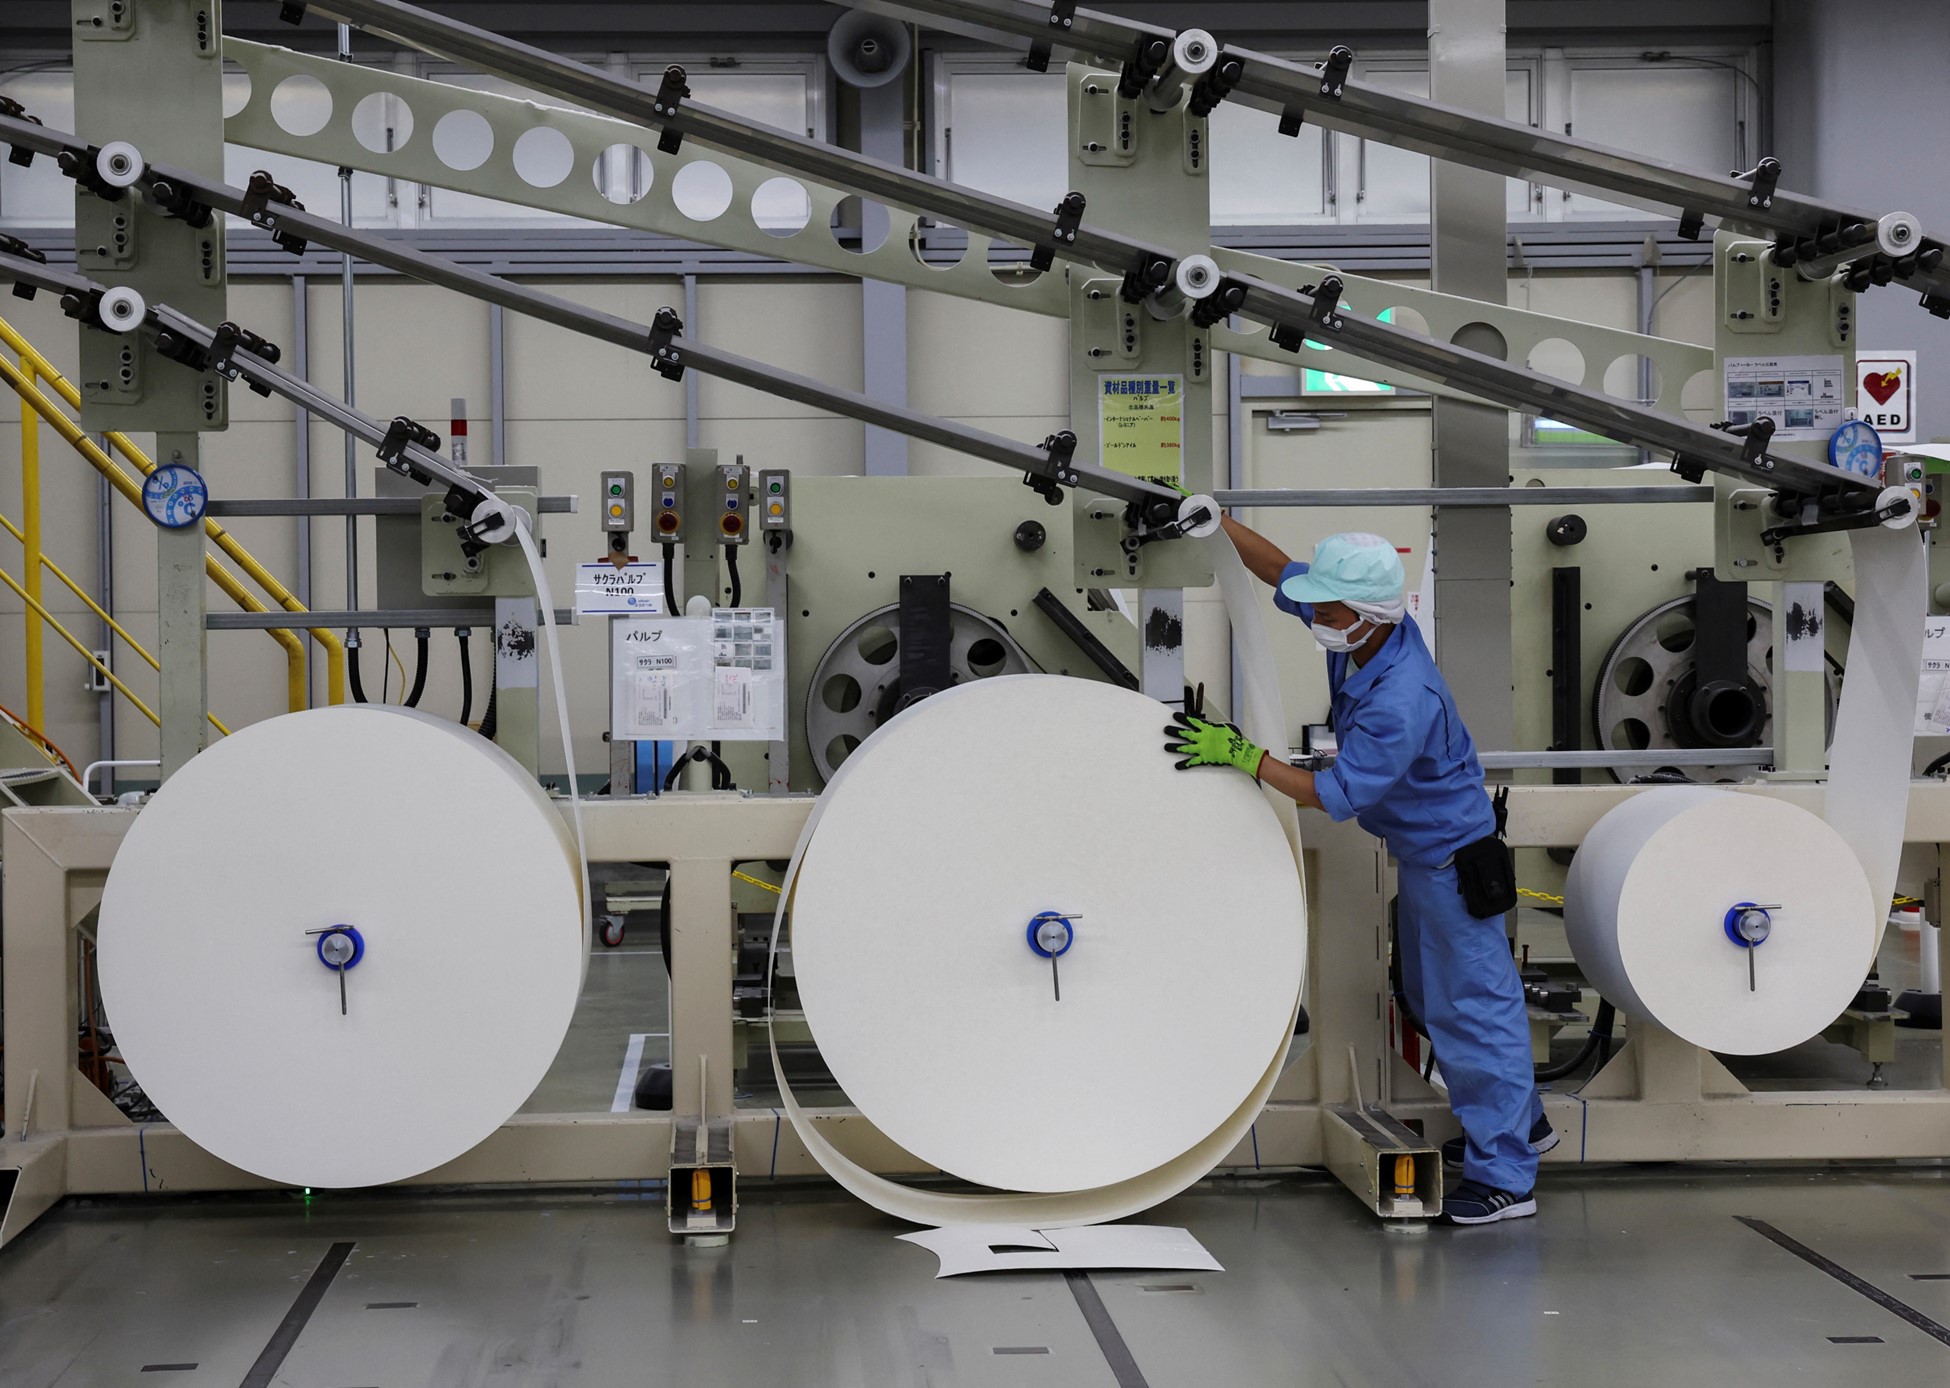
(663, 357)
(1755, 438)
(1830, 524)
(1062, 15)
(670, 95)
(292, 11)
(1937, 304)
(1219, 304)
(1148, 54)
(259, 194)
(228, 340)
(1326, 311)
(1216, 85)
(1060, 447)
(1333, 72)
(392, 449)
(177, 202)
(1069, 216)
(1151, 274)
(1763, 177)
(18, 154)
(1692, 225)
(81, 167)
(13, 245)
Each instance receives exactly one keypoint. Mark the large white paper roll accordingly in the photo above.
(463, 885)
(959, 823)
(1646, 904)
(1098, 749)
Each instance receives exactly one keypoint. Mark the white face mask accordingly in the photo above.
(1338, 642)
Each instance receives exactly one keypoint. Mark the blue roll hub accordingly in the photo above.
(1732, 920)
(349, 932)
(1056, 918)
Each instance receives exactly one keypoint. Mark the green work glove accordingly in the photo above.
(1201, 743)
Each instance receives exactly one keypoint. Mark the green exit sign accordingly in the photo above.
(1314, 382)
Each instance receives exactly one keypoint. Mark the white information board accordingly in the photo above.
(635, 590)
(1808, 398)
(717, 678)
(1933, 689)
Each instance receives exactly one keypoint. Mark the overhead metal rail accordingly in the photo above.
(1879, 248)
(1292, 315)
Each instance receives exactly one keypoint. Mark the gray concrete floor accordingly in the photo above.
(1628, 1276)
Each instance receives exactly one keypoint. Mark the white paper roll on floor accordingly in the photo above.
(973, 814)
(1646, 903)
(464, 887)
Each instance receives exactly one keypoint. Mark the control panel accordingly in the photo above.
(619, 502)
(668, 486)
(734, 484)
(774, 500)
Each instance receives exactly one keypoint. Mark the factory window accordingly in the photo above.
(1390, 185)
(1692, 110)
(300, 105)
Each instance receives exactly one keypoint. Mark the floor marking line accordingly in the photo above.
(293, 1324)
(1848, 1279)
(1117, 1354)
(166, 1368)
(632, 1064)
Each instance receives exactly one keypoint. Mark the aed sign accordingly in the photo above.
(1885, 394)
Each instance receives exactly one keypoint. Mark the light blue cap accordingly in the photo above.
(1352, 568)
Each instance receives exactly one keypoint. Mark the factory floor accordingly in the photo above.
(1669, 1277)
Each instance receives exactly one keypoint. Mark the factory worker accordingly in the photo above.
(1407, 772)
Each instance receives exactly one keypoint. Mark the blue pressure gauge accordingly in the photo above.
(1856, 447)
(175, 495)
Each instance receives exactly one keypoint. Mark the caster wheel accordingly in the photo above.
(612, 931)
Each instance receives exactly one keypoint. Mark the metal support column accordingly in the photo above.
(1467, 229)
(182, 646)
(883, 306)
(301, 440)
(105, 588)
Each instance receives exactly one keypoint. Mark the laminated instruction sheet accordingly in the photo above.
(1808, 398)
(715, 678)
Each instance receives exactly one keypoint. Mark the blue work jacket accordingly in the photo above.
(1407, 769)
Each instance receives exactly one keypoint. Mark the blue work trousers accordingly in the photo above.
(1462, 983)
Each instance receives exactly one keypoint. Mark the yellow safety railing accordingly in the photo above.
(25, 381)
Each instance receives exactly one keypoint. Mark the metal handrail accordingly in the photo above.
(35, 605)
(23, 380)
(99, 611)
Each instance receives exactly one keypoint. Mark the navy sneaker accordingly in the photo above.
(1543, 1137)
(1475, 1203)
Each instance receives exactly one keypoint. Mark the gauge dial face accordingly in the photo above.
(175, 495)
(1856, 448)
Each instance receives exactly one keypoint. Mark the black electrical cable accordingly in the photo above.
(421, 635)
(1938, 765)
(720, 773)
(352, 668)
(386, 667)
(670, 579)
(488, 720)
(731, 571)
(1601, 1030)
(466, 674)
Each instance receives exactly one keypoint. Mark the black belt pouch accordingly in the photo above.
(1487, 877)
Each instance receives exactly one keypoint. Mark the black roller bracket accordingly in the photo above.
(670, 95)
(1144, 279)
(259, 195)
(1292, 121)
(14, 246)
(82, 169)
(392, 449)
(1063, 16)
(926, 638)
(292, 11)
(173, 346)
(1030, 536)
(228, 340)
(178, 203)
(1216, 85)
(85, 307)
(1061, 448)
(1754, 440)
(1565, 531)
(1691, 225)
(1069, 216)
(1148, 54)
(18, 154)
(1333, 72)
(1763, 178)
(1085, 639)
(664, 357)
(1938, 304)
(1326, 311)
(1221, 302)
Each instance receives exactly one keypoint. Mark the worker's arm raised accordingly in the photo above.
(1265, 560)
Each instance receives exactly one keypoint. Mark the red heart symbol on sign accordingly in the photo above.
(1883, 384)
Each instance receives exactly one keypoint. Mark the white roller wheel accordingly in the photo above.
(1194, 51)
(122, 309)
(120, 164)
(1197, 276)
(1889, 496)
(1191, 506)
(1899, 234)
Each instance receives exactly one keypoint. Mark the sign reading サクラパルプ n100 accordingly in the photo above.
(1885, 393)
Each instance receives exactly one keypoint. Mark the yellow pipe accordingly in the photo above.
(30, 505)
(86, 654)
(96, 608)
(132, 491)
(40, 366)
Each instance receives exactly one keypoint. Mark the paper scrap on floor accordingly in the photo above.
(1018, 1248)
